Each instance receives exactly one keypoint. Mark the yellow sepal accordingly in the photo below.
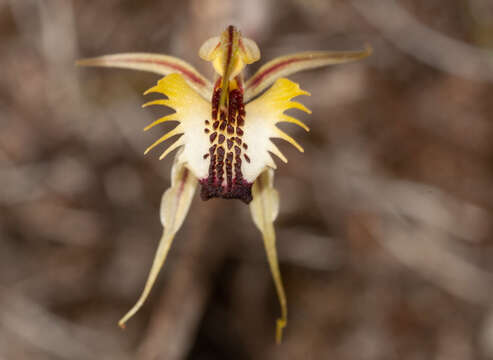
(174, 207)
(264, 209)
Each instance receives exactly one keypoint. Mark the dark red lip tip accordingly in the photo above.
(239, 189)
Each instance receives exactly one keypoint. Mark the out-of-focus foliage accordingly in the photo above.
(384, 231)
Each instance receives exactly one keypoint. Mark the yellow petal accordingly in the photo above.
(162, 102)
(172, 147)
(262, 116)
(286, 65)
(191, 111)
(290, 119)
(174, 207)
(264, 209)
(275, 150)
(299, 106)
(282, 135)
(176, 131)
(159, 64)
(171, 117)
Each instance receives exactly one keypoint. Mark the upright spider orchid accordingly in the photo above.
(225, 129)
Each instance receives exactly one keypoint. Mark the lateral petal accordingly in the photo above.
(286, 65)
(159, 64)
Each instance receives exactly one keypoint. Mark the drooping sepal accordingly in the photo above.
(159, 64)
(175, 204)
(264, 209)
(290, 64)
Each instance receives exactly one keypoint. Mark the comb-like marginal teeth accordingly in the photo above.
(171, 117)
(270, 163)
(303, 92)
(290, 90)
(154, 89)
(172, 147)
(282, 135)
(275, 150)
(176, 131)
(296, 91)
(290, 119)
(299, 106)
(163, 102)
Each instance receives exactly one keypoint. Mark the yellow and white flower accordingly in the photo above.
(225, 130)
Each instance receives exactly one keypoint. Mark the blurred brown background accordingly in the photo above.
(385, 227)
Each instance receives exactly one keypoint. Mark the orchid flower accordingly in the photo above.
(225, 129)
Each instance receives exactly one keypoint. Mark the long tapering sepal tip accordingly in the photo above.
(280, 325)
